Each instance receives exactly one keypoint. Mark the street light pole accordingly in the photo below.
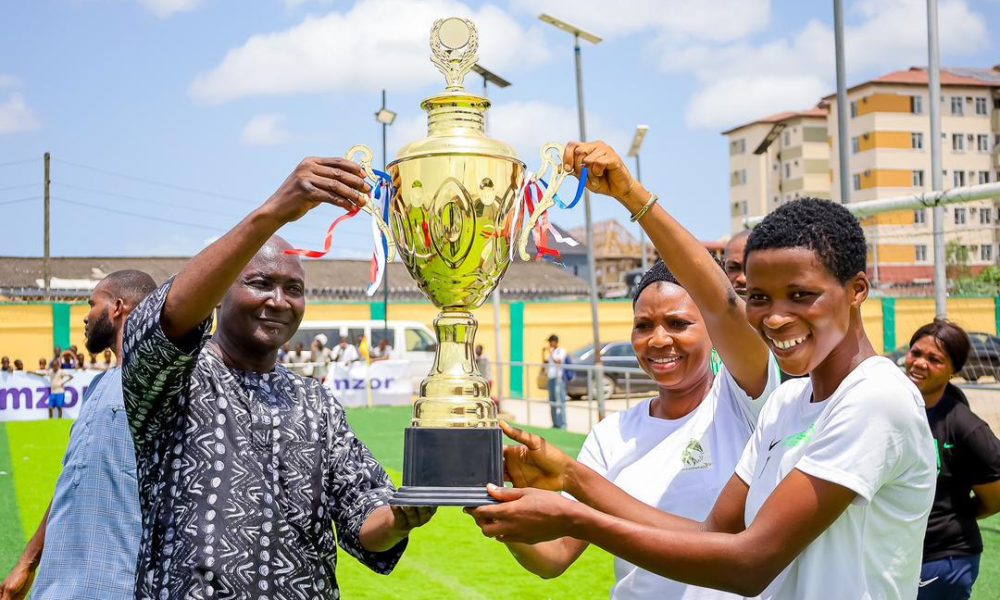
(591, 261)
(637, 139)
(934, 109)
(491, 77)
(385, 117)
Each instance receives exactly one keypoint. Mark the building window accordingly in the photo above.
(856, 182)
(958, 142)
(744, 208)
(985, 216)
(920, 217)
(921, 252)
(788, 170)
(740, 177)
(986, 252)
(917, 105)
(984, 177)
(738, 146)
(981, 106)
(918, 179)
(983, 142)
(958, 178)
(854, 108)
(788, 138)
(917, 141)
(960, 215)
(855, 145)
(956, 106)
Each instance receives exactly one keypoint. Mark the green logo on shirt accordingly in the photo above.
(801, 438)
(694, 456)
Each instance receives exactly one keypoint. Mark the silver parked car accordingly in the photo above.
(613, 354)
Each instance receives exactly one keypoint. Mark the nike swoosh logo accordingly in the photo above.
(773, 444)
(928, 582)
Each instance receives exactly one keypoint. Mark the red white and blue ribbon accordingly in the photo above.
(533, 191)
(382, 196)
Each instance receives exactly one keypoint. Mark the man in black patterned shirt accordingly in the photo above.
(244, 467)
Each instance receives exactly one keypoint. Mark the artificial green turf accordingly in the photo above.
(448, 558)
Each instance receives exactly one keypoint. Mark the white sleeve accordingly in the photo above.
(592, 454)
(750, 407)
(860, 443)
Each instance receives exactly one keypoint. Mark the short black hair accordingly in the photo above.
(825, 227)
(131, 285)
(657, 273)
(952, 339)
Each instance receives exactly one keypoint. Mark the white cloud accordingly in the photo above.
(167, 8)
(8, 81)
(265, 130)
(16, 115)
(362, 48)
(718, 20)
(295, 4)
(741, 81)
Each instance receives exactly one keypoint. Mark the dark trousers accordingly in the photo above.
(948, 578)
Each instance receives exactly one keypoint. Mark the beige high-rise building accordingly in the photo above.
(889, 132)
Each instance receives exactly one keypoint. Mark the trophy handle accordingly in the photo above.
(553, 167)
(365, 162)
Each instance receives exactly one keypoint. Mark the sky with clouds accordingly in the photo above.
(168, 120)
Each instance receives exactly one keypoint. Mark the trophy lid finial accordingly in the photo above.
(454, 46)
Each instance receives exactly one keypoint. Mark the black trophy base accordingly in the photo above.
(450, 467)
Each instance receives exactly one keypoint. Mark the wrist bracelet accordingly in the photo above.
(653, 198)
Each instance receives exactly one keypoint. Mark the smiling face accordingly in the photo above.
(669, 336)
(263, 308)
(928, 366)
(799, 308)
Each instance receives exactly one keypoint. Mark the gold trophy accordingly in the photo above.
(454, 219)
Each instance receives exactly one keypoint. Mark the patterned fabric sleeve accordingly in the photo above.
(154, 369)
(358, 485)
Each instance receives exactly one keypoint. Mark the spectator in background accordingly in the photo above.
(81, 361)
(86, 545)
(283, 352)
(57, 390)
(381, 352)
(554, 357)
(364, 348)
(320, 357)
(344, 354)
(43, 367)
(733, 258)
(5, 365)
(296, 358)
(67, 360)
(18, 365)
(92, 363)
(968, 479)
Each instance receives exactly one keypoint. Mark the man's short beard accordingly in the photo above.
(101, 334)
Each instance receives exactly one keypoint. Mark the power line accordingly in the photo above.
(137, 215)
(19, 187)
(303, 227)
(164, 184)
(18, 162)
(6, 202)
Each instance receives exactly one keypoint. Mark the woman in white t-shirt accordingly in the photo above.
(831, 495)
(677, 450)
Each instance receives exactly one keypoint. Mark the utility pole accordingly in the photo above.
(46, 272)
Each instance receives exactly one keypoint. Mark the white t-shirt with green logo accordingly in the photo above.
(678, 466)
(872, 437)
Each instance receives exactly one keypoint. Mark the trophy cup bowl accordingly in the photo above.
(455, 222)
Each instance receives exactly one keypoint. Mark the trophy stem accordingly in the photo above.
(455, 394)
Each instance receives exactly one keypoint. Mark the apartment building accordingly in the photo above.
(775, 159)
(889, 133)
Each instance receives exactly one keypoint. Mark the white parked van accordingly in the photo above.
(410, 340)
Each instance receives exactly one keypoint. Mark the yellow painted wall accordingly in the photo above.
(26, 332)
(973, 314)
(336, 312)
(901, 217)
(871, 316)
(880, 178)
(885, 139)
(897, 253)
(883, 103)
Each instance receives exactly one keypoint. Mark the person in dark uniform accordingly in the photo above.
(968, 459)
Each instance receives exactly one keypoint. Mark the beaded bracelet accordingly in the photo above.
(653, 198)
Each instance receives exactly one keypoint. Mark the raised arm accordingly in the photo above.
(739, 346)
(200, 286)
